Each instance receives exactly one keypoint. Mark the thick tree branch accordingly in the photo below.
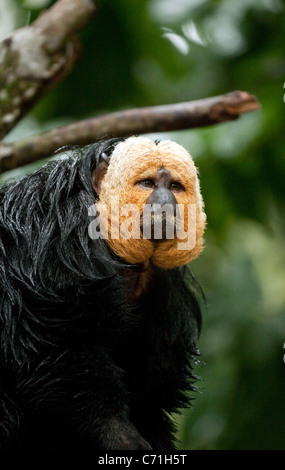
(64, 19)
(187, 115)
(35, 58)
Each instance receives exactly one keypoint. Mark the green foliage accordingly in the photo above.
(138, 53)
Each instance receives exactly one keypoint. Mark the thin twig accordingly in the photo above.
(171, 117)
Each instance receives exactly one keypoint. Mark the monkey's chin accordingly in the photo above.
(171, 254)
(166, 254)
(160, 249)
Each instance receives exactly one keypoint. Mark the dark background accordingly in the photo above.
(139, 53)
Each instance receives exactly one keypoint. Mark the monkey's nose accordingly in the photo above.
(158, 222)
(162, 197)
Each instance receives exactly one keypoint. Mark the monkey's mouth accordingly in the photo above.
(158, 227)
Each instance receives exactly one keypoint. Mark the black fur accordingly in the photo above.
(81, 365)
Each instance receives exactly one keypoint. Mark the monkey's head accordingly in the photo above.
(150, 203)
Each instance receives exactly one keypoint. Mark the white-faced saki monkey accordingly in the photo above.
(99, 321)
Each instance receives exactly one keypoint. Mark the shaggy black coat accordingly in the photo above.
(81, 365)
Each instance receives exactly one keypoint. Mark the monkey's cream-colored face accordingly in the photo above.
(138, 160)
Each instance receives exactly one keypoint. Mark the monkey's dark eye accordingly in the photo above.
(176, 186)
(147, 183)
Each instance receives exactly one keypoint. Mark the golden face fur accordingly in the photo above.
(139, 158)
